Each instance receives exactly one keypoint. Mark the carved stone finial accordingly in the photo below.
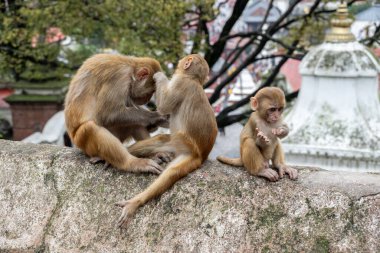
(340, 26)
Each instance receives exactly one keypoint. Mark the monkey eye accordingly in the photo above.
(280, 109)
(273, 109)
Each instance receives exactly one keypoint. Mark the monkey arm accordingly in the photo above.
(167, 96)
(127, 116)
(110, 110)
(162, 83)
(278, 161)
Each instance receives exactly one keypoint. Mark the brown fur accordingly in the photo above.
(192, 124)
(258, 143)
(101, 108)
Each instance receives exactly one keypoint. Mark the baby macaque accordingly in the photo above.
(260, 138)
(102, 109)
(193, 130)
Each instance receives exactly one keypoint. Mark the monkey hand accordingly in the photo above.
(163, 121)
(280, 132)
(163, 157)
(293, 173)
(129, 209)
(262, 138)
(144, 165)
(160, 77)
(158, 121)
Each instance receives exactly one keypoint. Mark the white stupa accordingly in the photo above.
(335, 123)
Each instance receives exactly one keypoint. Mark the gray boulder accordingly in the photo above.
(53, 200)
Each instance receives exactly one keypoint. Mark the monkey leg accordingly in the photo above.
(97, 141)
(155, 148)
(177, 169)
(254, 161)
(230, 161)
(279, 163)
(148, 146)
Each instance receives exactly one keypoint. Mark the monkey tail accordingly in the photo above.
(230, 161)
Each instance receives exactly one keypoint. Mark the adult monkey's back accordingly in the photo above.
(101, 108)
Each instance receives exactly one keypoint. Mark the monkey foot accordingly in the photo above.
(270, 174)
(129, 209)
(96, 159)
(145, 165)
(163, 157)
(293, 173)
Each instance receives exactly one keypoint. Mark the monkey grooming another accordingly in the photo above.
(101, 109)
(260, 137)
(192, 124)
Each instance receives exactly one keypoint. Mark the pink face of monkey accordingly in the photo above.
(269, 102)
(273, 114)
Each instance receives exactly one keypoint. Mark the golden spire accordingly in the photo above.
(340, 26)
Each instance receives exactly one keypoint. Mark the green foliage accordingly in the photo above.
(133, 27)
(20, 59)
(310, 31)
(355, 9)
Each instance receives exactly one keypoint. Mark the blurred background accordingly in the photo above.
(249, 44)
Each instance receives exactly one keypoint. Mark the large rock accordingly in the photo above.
(53, 200)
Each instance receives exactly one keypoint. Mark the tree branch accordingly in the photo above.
(271, 30)
(227, 66)
(223, 114)
(217, 49)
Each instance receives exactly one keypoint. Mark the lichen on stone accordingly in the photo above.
(337, 62)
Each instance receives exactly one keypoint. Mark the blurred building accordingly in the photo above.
(335, 123)
(366, 22)
(32, 105)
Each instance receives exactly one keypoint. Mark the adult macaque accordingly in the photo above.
(101, 109)
(192, 124)
(260, 138)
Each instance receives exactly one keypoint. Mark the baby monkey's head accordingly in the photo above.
(269, 102)
(194, 65)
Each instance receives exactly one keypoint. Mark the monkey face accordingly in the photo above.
(273, 114)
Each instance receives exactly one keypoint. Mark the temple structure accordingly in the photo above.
(335, 123)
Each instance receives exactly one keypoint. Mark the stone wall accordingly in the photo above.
(53, 200)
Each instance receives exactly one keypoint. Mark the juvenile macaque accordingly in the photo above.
(102, 109)
(192, 124)
(260, 138)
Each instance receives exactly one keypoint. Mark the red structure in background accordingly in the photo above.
(29, 117)
(291, 72)
(3, 94)
(33, 104)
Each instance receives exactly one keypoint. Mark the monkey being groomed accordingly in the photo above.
(102, 109)
(193, 130)
(260, 137)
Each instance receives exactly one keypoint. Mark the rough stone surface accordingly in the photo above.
(53, 200)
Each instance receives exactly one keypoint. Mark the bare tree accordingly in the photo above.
(253, 44)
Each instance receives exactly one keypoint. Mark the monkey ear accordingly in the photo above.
(188, 62)
(142, 73)
(254, 103)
